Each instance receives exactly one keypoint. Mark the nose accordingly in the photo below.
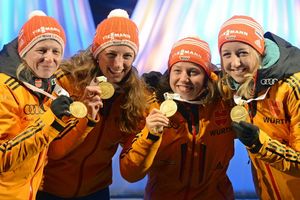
(236, 61)
(184, 77)
(49, 56)
(118, 62)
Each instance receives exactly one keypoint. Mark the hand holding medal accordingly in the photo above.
(107, 89)
(76, 108)
(167, 109)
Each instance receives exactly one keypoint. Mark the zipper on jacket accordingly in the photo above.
(40, 163)
(183, 160)
(202, 153)
(186, 195)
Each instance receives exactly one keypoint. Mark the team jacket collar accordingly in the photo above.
(287, 64)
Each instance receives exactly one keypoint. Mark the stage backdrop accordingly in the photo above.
(161, 23)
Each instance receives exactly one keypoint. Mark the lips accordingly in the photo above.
(239, 71)
(115, 72)
(184, 88)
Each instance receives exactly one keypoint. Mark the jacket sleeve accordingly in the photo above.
(18, 144)
(278, 155)
(71, 138)
(137, 157)
(139, 152)
(285, 157)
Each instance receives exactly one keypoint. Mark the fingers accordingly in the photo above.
(237, 127)
(156, 119)
(91, 91)
(249, 126)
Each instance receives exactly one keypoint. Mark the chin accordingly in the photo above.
(45, 76)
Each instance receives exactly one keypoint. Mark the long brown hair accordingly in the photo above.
(83, 68)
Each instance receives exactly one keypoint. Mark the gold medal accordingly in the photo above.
(107, 90)
(239, 113)
(78, 109)
(168, 107)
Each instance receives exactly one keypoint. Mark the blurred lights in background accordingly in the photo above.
(161, 23)
(74, 15)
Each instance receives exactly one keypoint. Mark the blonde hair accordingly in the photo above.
(210, 91)
(247, 88)
(25, 70)
(83, 68)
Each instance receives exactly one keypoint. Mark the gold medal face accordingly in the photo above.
(239, 113)
(107, 90)
(168, 107)
(78, 109)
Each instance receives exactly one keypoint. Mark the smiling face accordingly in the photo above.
(115, 62)
(238, 59)
(44, 58)
(187, 79)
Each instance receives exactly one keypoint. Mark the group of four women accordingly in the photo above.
(180, 133)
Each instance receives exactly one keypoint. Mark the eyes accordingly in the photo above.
(46, 50)
(189, 72)
(239, 53)
(113, 55)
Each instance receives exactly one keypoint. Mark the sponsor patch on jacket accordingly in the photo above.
(221, 117)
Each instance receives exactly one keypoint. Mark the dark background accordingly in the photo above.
(100, 9)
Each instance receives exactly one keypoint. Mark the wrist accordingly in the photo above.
(153, 136)
(255, 147)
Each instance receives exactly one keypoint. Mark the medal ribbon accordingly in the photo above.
(177, 97)
(239, 101)
(57, 89)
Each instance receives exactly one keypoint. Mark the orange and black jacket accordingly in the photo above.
(276, 167)
(27, 127)
(189, 160)
(87, 168)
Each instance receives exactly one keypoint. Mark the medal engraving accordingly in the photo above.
(238, 113)
(78, 109)
(168, 107)
(107, 90)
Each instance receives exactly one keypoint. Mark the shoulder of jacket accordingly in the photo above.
(9, 81)
(60, 74)
(151, 98)
(293, 81)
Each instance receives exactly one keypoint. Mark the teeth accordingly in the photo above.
(116, 72)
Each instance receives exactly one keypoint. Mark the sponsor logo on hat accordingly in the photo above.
(257, 43)
(237, 32)
(44, 29)
(186, 52)
(113, 35)
(185, 58)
